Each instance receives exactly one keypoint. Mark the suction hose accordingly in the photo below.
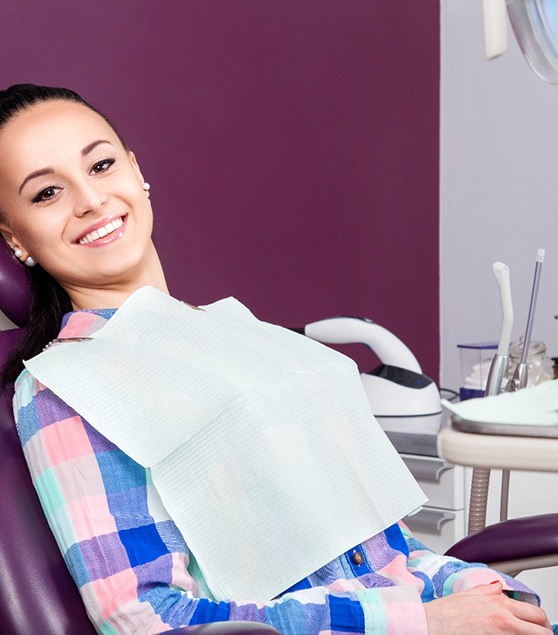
(478, 500)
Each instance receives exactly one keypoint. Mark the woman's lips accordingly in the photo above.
(103, 233)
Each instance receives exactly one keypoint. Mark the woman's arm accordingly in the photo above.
(468, 597)
(444, 575)
(484, 609)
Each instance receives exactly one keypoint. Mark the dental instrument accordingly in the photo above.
(500, 362)
(520, 375)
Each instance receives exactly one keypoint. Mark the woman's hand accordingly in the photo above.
(484, 610)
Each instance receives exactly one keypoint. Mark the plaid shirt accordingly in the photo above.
(136, 574)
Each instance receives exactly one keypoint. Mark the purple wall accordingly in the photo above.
(291, 145)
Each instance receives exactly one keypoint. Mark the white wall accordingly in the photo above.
(498, 201)
(499, 187)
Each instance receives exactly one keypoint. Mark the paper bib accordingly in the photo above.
(260, 441)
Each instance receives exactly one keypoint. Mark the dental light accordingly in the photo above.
(535, 25)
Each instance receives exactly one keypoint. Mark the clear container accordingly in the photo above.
(539, 366)
(475, 365)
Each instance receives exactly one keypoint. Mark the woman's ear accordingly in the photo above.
(136, 166)
(12, 242)
(7, 237)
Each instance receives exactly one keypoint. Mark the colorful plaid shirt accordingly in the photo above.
(133, 567)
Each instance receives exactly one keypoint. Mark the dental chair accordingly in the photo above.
(37, 594)
(511, 545)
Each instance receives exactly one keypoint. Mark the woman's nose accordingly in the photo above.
(88, 198)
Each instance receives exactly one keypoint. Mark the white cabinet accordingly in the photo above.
(442, 522)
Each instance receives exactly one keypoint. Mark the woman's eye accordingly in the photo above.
(102, 166)
(46, 194)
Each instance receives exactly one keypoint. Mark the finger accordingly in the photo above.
(533, 614)
(529, 613)
(521, 610)
(494, 588)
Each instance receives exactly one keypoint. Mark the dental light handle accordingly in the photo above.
(495, 28)
(346, 330)
(500, 363)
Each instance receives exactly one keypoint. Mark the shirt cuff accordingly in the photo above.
(393, 611)
(470, 578)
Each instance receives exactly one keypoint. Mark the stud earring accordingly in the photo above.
(18, 253)
(30, 262)
(146, 187)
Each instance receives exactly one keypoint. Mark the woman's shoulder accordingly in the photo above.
(84, 322)
(81, 323)
(24, 389)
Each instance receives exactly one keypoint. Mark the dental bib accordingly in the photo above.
(260, 441)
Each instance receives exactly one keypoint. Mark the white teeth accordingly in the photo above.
(102, 231)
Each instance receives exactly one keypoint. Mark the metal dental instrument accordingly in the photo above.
(500, 362)
(520, 375)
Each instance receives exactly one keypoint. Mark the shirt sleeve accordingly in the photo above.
(444, 575)
(130, 562)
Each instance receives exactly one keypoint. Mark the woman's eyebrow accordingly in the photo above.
(85, 151)
(88, 148)
(34, 175)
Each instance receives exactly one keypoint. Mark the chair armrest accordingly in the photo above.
(507, 540)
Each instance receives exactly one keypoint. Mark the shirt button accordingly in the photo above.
(357, 558)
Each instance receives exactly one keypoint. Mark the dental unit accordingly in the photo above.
(397, 387)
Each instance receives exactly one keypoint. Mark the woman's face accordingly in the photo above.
(72, 196)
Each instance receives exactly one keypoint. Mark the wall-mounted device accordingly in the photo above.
(535, 25)
(397, 387)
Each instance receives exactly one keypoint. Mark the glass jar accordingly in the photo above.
(539, 366)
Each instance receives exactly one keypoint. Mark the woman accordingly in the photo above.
(73, 200)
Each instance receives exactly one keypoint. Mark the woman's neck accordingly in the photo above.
(109, 298)
(113, 294)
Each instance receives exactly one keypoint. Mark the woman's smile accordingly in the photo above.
(103, 232)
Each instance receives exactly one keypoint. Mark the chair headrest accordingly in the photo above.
(15, 287)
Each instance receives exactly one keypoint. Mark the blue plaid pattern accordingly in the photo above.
(135, 572)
